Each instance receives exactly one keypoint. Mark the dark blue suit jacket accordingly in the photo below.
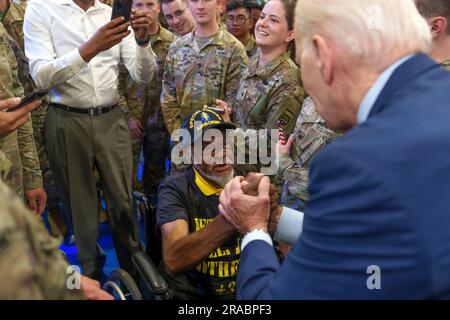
(380, 195)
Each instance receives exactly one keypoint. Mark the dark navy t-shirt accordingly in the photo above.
(215, 277)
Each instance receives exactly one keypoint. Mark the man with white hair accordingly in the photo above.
(377, 223)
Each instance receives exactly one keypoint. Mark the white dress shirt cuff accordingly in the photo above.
(256, 234)
(74, 59)
(290, 226)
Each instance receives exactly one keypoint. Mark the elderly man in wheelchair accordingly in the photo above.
(200, 249)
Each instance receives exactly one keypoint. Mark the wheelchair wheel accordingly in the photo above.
(122, 286)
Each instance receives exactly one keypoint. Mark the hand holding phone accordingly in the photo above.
(122, 8)
(10, 121)
(106, 37)
(35, 95)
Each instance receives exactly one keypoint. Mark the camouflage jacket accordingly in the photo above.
(268, 94)
(311, 135)
(5, 166)
(446, 64)
(250, 47)
(13, 22)
(23, 68)
(144, 101)
(31, 265)
(196, 76)
(18, 146)
(10, 85)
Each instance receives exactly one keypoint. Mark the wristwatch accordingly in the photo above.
(142, 42)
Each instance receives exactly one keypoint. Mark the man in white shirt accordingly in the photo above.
(74, 48)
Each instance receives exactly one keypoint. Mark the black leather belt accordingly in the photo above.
(90, 111)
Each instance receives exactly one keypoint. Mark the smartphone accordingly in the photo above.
(35, 95)
(213, 107)
(122, 8)
(219, 110)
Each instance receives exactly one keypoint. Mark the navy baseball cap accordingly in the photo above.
(203, 120)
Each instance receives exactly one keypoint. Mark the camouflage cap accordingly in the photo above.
(202, 120)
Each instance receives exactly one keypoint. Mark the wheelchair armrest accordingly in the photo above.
(141, 198)
(149, 271)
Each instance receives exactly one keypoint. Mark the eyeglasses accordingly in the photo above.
(237, 20)
(177, 14)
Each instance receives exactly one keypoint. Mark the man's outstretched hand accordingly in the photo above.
(140, 22)
(104, 38)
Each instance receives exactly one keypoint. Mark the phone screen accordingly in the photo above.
(122, 8)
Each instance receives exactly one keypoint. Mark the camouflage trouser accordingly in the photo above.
(156, 151)
(295, 188)
(38, 117)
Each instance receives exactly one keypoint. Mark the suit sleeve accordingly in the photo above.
(352, 223)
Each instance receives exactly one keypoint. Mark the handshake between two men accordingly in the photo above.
(251, 203)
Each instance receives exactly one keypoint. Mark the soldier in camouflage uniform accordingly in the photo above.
(256, 7)
(269, 94)
(19, 147)
(177, 16)
(310, 135)
(200, 70)
(13, 22)
(31, 266)
(251, 47)
(145, 117)
(239, 22)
